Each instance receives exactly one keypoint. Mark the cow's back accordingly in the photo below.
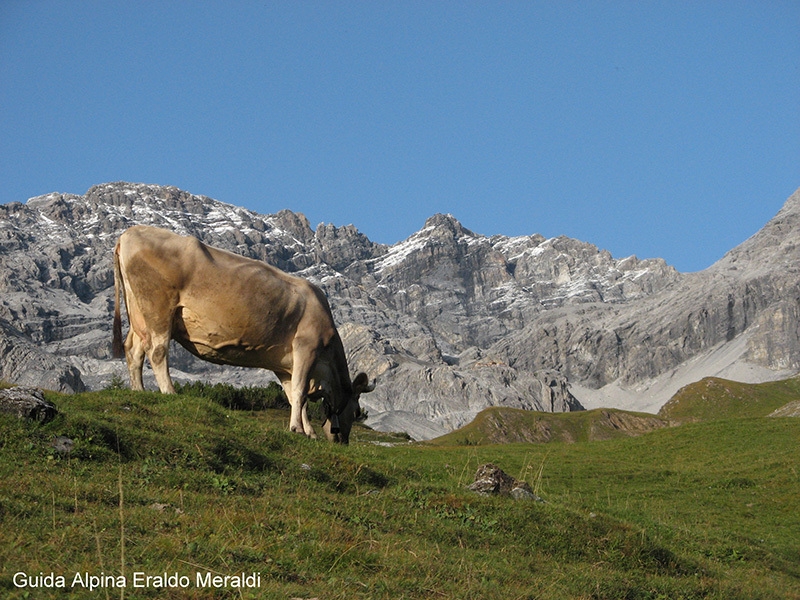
(225, 307)
(187, 265)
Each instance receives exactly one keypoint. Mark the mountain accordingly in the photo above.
(449, 321)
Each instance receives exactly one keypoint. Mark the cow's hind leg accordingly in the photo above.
(158, 354)
(134, 356)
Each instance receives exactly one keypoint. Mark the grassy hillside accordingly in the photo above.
(162, 485)
(709, 399)
(715, 398)
(502, 425)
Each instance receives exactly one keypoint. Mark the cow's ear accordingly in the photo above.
(361, 384)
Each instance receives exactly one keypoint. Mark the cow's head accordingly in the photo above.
(338, 424)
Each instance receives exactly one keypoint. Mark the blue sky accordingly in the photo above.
(662, 129)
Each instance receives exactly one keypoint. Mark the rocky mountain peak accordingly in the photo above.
(448, 223)
(790, 207)
(294, 223)
(774, 246)
(345, 248)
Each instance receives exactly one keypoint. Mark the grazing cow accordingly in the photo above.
(232, 310)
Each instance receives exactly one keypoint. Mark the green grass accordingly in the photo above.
(179, 484)
(501, 425)
(715, 398)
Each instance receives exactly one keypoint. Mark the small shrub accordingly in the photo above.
(116, 383)
(738, 483)
(247, 398)
(316, 412)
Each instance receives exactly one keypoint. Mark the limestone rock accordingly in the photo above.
(492, 480)
(26, 403)
(24, 363)
(792, 409)
(63, 444)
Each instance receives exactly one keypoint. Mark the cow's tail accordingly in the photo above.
(117, 348)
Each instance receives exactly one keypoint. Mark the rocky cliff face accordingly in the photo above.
(449, 321)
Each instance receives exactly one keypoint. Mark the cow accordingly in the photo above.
(231, 310)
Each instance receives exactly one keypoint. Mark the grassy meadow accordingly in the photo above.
(164, 490)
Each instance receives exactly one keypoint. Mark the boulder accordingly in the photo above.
(491, 480)
(26, 403)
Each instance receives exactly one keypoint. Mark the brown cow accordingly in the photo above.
(232, 310)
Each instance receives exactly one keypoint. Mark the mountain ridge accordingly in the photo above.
(449, 321)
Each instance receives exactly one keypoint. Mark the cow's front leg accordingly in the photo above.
(299, 416)
(286, 382)
(296, 415)
(298, 396)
